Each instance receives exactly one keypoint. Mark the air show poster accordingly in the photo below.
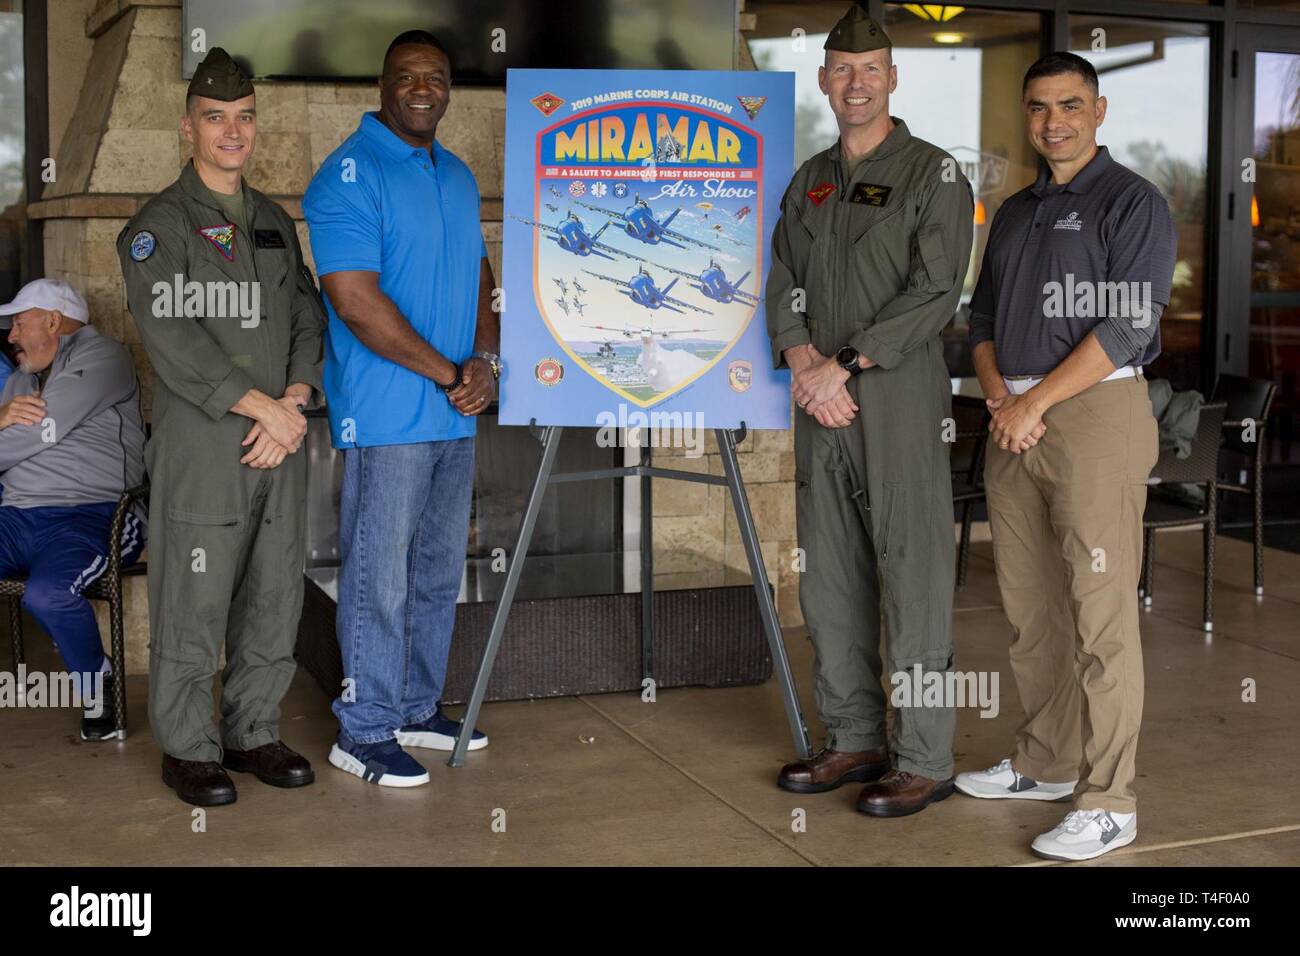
(639, 208)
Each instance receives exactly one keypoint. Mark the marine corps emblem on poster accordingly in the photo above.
(638, 217)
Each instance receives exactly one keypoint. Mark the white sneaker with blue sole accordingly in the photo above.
(1002, 782)
(1087, 834)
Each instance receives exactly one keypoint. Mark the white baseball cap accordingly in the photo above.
(52, 294)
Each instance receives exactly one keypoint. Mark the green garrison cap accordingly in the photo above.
(856, 32)
(220, 78)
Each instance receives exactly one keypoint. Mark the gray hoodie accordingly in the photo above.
(90, 447)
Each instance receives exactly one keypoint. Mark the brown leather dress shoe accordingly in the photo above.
(827, 769)
(199, 782)
(899, 793)
(272, 763)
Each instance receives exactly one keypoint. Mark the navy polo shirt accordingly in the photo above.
(378, 204)
(1093, 255)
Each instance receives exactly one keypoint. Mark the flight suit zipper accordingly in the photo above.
(264, 334)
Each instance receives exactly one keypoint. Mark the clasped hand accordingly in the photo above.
(1017, 422)
(278, 434)
(820, 389)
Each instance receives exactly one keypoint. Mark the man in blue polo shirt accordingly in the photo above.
(411, 360)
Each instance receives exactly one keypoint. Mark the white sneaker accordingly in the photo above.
(1085, 834)
(1004, 783)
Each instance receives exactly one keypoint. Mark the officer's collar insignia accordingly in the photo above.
(819, 194)
(223, 237)
(870, 194)
(751, 104)
(143, 245)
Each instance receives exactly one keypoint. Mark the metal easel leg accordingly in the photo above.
(550, 444)
(647, 569)
(766, 607)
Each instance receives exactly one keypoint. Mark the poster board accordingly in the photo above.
(639, 208)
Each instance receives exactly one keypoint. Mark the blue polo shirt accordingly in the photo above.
(378, 204)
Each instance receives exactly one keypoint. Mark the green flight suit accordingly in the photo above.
(226, 540)
(878, 258)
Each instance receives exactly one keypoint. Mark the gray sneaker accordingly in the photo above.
(1085, 834)
(1004, 783)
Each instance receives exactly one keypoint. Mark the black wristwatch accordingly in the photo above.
(847, 359)
(454, 383)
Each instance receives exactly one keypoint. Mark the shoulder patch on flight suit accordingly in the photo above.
(870, 194)
(143, 245)
(819, 194)
(268, 239)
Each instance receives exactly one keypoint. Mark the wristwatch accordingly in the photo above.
(493, 360)
(455, 383)
(847, 359)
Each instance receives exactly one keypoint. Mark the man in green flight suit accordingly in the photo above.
(868, 261)
(233, 327)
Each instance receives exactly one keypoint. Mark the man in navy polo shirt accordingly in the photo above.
(411, 360)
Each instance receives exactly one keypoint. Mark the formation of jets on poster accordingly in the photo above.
(647, 283)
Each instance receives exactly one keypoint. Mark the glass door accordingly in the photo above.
(1260, 333)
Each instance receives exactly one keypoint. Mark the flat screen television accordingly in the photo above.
(346, 39)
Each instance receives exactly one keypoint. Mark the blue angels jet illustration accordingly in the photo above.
(639, 223)
(572, 236)
(642, 290)
(715, 285)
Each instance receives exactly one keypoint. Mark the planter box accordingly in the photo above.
(557, 647)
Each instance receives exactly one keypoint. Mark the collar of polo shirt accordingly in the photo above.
(1082, 179)
(392, 144)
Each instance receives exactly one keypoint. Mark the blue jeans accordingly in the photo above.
(403, 530)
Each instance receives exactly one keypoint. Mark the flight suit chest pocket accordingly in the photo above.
(862, 220)
(272, 264)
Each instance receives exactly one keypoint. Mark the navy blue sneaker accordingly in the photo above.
(384, 763)
(438, 733)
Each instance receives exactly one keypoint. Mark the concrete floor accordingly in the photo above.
(690, 778)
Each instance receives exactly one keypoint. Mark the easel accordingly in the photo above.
(728, 439)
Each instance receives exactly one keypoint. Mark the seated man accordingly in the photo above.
(71, 441)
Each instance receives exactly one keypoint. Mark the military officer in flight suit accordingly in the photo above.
(233, 325)
(869, 257)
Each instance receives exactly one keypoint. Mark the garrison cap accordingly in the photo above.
(856, 32)
(220, 78)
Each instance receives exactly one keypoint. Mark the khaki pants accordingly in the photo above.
(1066, 518)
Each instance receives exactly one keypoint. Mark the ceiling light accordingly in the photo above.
(934, 12)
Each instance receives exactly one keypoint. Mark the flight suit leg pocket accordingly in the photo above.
(201, 552)
(910, 548)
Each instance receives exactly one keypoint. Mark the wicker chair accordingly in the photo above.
(107, 587)
(972, 418)
(1247, 399)
(1200, 468)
